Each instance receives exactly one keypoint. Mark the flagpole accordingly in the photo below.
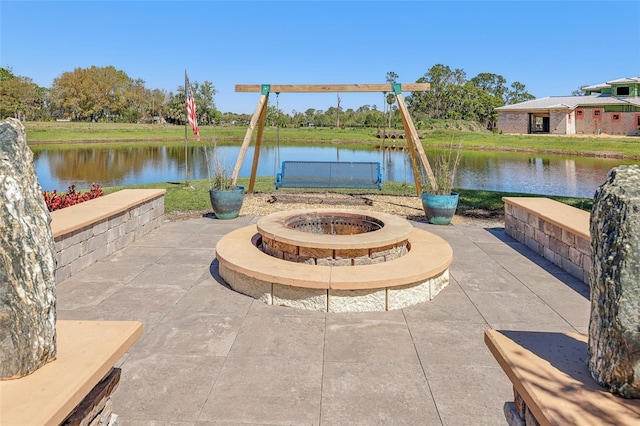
(186, 115)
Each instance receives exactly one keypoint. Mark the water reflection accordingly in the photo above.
(527, 173)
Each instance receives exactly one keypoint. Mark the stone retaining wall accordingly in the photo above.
(92, 230)
(558, 232)
(517, 413)
(332, 257)
(96, 409)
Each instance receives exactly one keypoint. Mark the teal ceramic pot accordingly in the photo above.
(439, 209)
(227, 204)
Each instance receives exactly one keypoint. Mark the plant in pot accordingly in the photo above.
(438, 201)
(226, 198)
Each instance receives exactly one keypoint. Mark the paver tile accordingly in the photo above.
(361, 339)
(442, 344)
(211, 297)
(164, 387)
(281, 337)
(182, 256)
(265, 390)
(376, 394)
(198, 334)
(451, 305)
(506, 307)
(152, 299)
(77, 294)
(470, 395)
(161, 275)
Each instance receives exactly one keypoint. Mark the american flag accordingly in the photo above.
(191, 107)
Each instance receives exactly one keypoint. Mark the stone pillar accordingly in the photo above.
(27, 261)
(614, 326)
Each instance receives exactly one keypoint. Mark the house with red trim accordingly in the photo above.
(611, 108)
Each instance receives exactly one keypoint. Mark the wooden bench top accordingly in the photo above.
(67, 220)
(566, 217)
(550, 372)
(87, 351)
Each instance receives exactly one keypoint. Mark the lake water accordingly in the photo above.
(512, 172)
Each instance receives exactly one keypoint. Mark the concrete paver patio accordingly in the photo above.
(209, 355)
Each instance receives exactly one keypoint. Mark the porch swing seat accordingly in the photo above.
(329, 174)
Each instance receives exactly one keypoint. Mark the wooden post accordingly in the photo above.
(412, 135)
(262, 102)
(413, 155)
(256, 151)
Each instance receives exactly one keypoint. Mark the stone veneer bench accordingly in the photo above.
(90, 231)
(416, 277)
(552, 384)
(75, 388)
(557, 231)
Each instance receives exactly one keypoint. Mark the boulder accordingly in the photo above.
(614, 325)
(27, 261)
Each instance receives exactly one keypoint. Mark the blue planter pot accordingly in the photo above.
(439, 209)
(227, 204)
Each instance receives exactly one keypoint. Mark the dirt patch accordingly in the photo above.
(409, 207)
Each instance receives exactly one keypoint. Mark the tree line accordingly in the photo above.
(105, 94)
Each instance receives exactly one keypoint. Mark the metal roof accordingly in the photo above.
(595, 87)
(625, 80)
(569, 102)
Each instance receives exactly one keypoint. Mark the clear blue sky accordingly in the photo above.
(552, 47)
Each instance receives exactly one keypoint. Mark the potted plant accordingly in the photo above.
(438, 200)
(226, 198)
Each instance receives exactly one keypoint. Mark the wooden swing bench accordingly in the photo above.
(329, 174)
(323, 174)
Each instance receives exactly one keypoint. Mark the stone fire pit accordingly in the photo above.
(335, 260)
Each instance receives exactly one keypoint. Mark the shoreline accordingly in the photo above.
(345, 143)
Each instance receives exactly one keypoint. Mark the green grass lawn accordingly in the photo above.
(68, 133)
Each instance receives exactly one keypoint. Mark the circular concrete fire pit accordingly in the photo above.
(335, 260)
(334, 237)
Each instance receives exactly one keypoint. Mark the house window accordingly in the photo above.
(623, 91)
(616, 116)
(638, 121)
(579, 114)
(597, 113)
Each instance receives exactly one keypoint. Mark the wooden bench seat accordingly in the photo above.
(552, 383)
(87, 351)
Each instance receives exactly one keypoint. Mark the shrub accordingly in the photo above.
(72, 197)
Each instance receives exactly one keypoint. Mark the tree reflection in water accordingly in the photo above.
(496, 171)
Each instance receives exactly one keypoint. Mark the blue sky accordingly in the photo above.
(552, 47)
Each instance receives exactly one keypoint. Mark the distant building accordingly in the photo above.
(612, 108)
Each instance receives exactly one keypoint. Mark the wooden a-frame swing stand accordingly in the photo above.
(415, 146)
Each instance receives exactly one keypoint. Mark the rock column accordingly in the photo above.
(27, 261)
(614, 326)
